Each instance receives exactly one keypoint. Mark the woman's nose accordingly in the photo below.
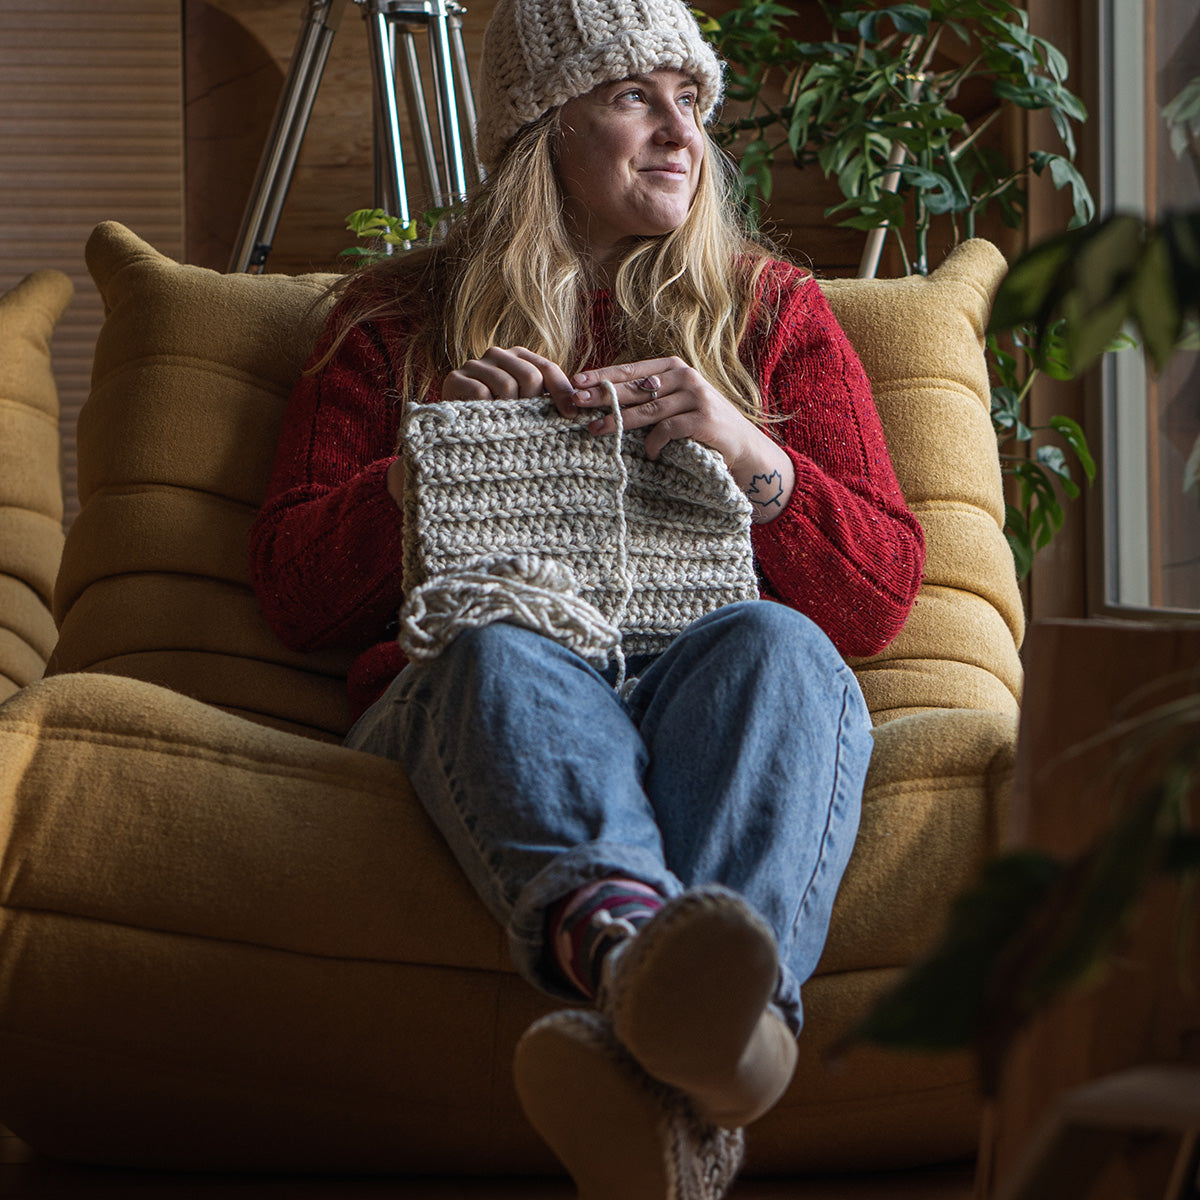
(677, 126)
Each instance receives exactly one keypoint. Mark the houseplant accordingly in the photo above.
(1036, 925)
(900, 104)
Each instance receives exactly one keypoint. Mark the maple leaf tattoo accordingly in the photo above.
(766, 490)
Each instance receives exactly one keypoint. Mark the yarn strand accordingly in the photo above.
(623, 573)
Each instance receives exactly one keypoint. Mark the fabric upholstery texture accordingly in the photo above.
(31, 506)
(224, 945)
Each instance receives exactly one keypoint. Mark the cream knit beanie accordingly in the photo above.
(538, 54)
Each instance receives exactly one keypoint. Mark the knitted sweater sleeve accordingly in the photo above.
(846, 551)
(325, 550)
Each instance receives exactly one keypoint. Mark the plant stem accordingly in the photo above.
(951, 92)
(973, 136)
(1034, 372)
(869, 263)
(1000, 186)
(921, 230)
(927, 57)
(903, 252)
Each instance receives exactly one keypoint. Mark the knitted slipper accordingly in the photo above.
(688, 998)
(620, 1134)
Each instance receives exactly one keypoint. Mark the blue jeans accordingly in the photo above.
(738, 758)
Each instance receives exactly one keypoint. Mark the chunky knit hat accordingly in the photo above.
(538, 54)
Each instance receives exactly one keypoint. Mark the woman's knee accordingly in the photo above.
(765, 629)
(497, 645)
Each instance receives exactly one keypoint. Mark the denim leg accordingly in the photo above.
(758, 741)
(529, 765)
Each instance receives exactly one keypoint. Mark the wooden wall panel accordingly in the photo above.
(90, 129)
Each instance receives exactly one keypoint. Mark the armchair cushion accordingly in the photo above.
(223, 945)
(191, 375)
(920, 339)
(31, 506)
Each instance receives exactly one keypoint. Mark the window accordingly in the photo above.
(1150, 57)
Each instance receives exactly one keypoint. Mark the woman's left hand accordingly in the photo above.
(673, 400)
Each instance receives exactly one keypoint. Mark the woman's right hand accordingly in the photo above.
(510, 375)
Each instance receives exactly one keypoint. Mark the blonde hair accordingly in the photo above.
(510, 274)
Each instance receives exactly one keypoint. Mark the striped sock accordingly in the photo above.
(589, 922)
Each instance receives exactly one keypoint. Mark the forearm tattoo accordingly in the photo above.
(766, 494)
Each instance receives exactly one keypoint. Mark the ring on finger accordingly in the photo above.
(650, 384)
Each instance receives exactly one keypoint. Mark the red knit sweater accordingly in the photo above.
(325, 551)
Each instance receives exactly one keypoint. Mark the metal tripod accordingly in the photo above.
(391, 29)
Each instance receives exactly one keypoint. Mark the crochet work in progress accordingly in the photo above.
(515, 513)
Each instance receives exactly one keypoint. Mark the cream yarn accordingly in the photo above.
(538, 54)
(513, 512)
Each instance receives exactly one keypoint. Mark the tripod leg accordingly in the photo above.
(392, 194)
(278, 161)
(418, 116)
(466, 95)
(447, 103)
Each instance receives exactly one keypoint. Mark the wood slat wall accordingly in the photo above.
(91, 128)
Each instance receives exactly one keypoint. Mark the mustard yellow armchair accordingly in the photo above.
(31, 506)
(228, 942)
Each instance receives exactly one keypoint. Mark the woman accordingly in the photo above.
(671, 855)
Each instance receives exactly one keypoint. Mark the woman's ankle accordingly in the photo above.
(587, 924)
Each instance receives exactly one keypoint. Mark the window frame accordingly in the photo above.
(1124, 548)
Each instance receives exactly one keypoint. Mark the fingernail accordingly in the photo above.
(597, 426)
(581, 379)
(582, 395)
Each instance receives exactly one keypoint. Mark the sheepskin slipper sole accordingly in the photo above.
(688, 998)
(620, 1134)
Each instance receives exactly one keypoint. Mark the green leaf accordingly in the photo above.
(1049, 350)
(1006, 409)
(1182, 231)
(1054, 459)
(1063, 174)
(887, 210)
(1055, 60)
(1097, 304)
(1040, 501)
(905, 18)
(938, 1003)
(1072, 432)
(1182, 117)
(1033, 283)
(1112, 881)
(1123, 341)
(1016, 532)
(1003, 363)
(1023, 95)
(939, 193)
(1064, 130)
(1153, 303)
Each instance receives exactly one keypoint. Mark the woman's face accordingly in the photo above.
(629, 158)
